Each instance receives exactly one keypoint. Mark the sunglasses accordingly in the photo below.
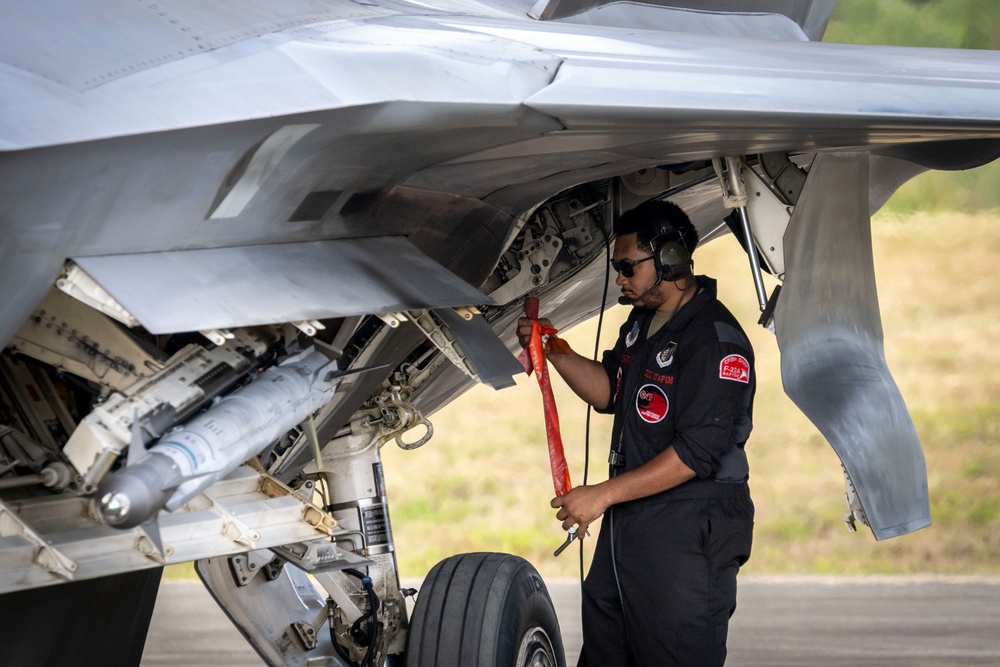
(627, 268)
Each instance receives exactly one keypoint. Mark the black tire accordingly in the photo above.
(484, 610)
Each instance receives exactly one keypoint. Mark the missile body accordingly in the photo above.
(210, 446)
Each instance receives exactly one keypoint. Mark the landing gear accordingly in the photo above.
(484, 610)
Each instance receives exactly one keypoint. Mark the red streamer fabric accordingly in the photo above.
(557, 456)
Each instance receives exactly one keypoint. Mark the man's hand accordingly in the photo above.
(550, 342)
(524, 329)
(581, 506)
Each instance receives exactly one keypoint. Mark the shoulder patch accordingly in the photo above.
(735, 367)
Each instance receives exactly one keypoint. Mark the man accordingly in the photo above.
(677, 508)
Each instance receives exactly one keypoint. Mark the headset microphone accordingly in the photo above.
(625, 301)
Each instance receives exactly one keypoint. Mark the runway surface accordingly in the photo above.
(781, 621)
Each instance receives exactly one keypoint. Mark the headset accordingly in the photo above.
(670, 256)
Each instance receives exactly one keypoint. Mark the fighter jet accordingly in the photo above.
(246, 244)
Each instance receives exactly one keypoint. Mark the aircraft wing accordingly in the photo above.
(245, 244)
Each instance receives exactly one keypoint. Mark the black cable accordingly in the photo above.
(373, 605)
(371, 616)
(337, 647)
(597, 350)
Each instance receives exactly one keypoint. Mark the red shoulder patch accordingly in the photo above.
(735, 367)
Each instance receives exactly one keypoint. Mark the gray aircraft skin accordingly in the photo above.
(196, 197)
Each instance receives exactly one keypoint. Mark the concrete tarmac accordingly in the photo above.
(780, 622)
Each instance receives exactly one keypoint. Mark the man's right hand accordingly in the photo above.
(585, 377)
(524, 329)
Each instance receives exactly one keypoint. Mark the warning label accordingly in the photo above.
(376, 525)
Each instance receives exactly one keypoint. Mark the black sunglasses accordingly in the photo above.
(627, 268)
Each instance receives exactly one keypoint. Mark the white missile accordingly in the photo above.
(210, 446)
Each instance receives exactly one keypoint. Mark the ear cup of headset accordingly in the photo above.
(672, 260)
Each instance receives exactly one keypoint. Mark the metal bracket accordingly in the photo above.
(247, 566)
(769, 218)
(536, 258)
(305, 634)
(312, 514)
(309, 327)
(78, 284)
(46, 556)
(467, 312)
(392, 319)
(145, 545)
(439, 334)
(218, 336)
(320, 555)
(238, 531)
(272, 569)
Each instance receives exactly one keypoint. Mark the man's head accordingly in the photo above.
(665, 231)
(653, 247)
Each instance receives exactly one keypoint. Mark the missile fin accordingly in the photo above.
(152, 528)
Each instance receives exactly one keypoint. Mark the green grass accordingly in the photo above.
(180, 571)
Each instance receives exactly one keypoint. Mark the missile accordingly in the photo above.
(211, 445)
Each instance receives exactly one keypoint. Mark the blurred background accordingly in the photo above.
(483, 482)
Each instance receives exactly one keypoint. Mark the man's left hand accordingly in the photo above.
(580, 506)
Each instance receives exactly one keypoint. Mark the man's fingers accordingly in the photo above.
(523, 331)
(558, 501)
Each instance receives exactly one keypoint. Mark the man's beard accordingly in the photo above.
(651, 301)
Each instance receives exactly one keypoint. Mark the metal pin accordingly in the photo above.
(570, 536)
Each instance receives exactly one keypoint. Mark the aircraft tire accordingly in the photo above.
(484, 610)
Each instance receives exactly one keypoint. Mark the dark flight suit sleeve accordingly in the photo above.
(611, 361)
(709, 405)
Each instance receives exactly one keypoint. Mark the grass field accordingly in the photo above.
(483, 482)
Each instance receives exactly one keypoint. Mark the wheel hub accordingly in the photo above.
(536, 650)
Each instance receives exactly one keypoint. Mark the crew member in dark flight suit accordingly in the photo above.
(678, 515)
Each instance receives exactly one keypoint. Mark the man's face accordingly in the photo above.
(643, 273)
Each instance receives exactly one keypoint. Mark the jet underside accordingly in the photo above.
(357, 198)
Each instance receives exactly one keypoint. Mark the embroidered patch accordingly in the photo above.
(651, 404)
(735, 367)
(632, 336)
(665, 357)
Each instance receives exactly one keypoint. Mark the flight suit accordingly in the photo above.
(662, 586)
